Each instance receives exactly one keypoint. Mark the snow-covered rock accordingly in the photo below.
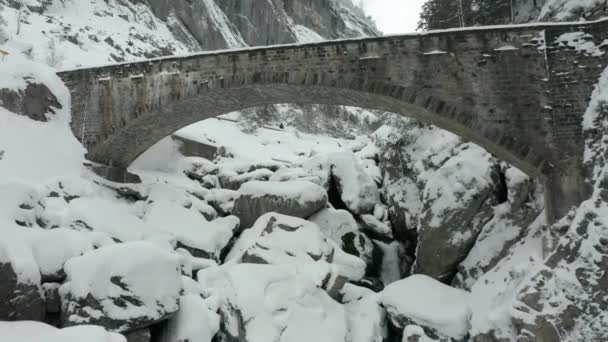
(335, 223)
(348, 184)
(428, 303)
(40, 332)
(375, 228)
(273, 303)
(196, 321)
(20, 300)
(281, 239)
(122, 287)
(171, 211)
(293, 198)
(366, 318)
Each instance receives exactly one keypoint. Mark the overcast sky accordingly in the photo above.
(394, 16)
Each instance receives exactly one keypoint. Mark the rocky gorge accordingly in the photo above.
(303, 223)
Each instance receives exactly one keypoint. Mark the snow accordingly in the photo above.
(358, 191)
(430, 303)
(196, 320)
(41, 332)
(306, 35)
(435, 52)
(171, 212)
(93, 274)
(566, 9)
(366, 319)
(506, 48)
(276, 303)
(494, 292)
(335, 223)
(581, 42)
(55, 135)
(97, 32)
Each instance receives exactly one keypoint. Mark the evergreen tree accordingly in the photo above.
(444, 14)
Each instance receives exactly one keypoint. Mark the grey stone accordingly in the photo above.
(250, 207)
(115, 174)
(442, 247)
(36, 101)
(191, 148)
(19, 301)
(141, 335)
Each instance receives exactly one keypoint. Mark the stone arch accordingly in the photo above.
(126, 143)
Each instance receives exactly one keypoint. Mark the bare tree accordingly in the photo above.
(19, 15)
(3, 34)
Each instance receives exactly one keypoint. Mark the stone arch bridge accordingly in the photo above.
(520, 92)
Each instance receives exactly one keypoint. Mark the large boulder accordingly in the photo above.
(458, 202)
(19, 300)
(196, 320)
(366, 317)
(284, 240)
(35, 101)
(348, 184)
(122, 287)
(20, 291)
(173, 212)
(263, 303)
(293, 198)
(441, 310)
(512, 222)
(40, 332)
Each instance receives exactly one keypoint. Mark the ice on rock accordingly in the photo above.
(123, 286)
(427, 302)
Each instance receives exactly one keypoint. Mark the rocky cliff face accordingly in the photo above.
(73, 33)
(526, 11)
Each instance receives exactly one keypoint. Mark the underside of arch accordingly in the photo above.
(124, 145)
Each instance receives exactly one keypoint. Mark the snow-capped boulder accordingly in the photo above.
(196, 320)
(289, 239)
(263, 303)
(421, 300)
(18, 300)
(366, 318)
(346, 180)
(40, 332)
(335, 223)
(170, 211)
(222, 200)
(234, 181)
(35, 100)
(233, 173)
(121, 287)
(375, 228)
(458, 201)
(281, 239)
(415, 333)
(293, 198)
